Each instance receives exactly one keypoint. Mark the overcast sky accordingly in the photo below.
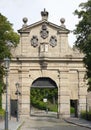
(15, 10)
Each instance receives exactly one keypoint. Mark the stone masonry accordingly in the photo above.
(44, 51)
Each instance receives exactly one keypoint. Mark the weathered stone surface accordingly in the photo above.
(89, 101)
(60, 63)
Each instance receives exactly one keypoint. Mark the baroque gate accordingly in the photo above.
(44, 51)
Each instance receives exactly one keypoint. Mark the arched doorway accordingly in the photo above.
(44, 97)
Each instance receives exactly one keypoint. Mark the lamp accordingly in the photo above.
(7, 63)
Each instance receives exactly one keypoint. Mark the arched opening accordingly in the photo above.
(44, 97)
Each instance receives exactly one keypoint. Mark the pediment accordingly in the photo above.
(27, 28)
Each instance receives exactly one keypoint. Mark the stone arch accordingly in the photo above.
(44, 83)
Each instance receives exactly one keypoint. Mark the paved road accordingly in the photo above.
(48, 123)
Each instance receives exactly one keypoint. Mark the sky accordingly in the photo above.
(16, 10)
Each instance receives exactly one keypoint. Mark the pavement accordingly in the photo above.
(14, 125)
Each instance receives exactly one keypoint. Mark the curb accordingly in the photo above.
(20, 125)
(79, 124)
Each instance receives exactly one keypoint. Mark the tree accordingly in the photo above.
(8, 39)
(38, 94)
(83, 35)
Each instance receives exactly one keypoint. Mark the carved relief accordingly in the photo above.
(43, 47)
(44, 32)
(34, 41)
(53, 41)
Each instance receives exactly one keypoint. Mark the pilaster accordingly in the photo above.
(25, 95)
(63, 95)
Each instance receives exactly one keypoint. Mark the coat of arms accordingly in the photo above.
(44, 32)
(34, 41)
(53, 41)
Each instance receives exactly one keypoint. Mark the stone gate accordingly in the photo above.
(43, 51)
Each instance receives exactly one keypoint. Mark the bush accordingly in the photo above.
(72, 110)
(83, 114)
(52, 107)
(2, 114)
(86, 115)
(39, 104)
(43, 106)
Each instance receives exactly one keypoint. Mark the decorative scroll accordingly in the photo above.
(44, 32)
(34, 41)
(53, 41)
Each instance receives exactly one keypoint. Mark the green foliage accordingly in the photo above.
(86, 115)
(72, 110)
(39, 104)
(1, 86)
(83, 35)
(2, 112)
(38, 94)
(52, 107)
(7, 36)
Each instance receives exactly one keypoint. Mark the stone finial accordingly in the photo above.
(62, 20)
(25, 20)
(44, 14)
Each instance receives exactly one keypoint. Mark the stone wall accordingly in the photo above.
(89, 101)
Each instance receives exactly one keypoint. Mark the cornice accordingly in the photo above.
(27, 28)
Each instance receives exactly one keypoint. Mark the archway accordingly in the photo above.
(44, 97)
